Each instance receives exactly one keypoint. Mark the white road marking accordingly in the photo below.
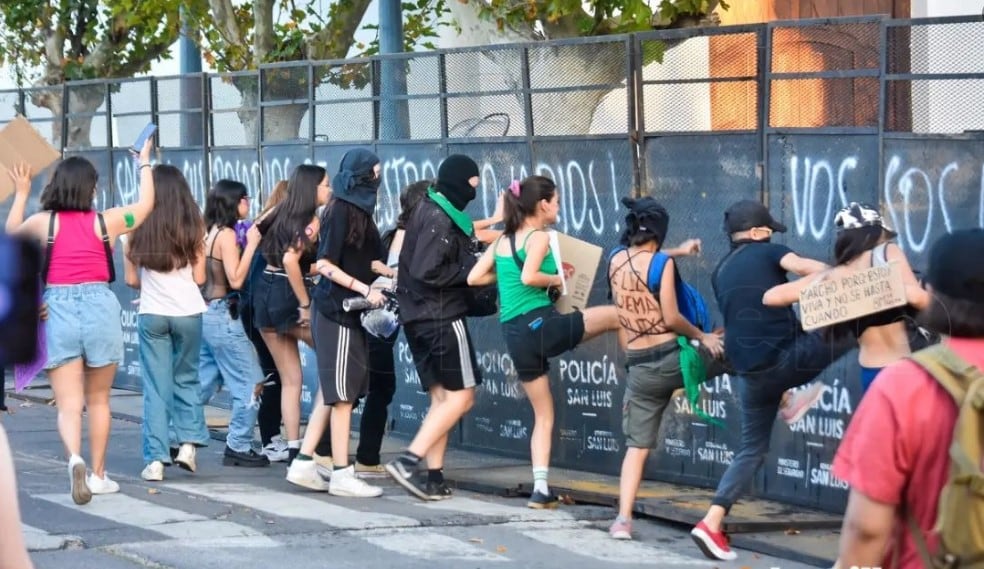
(431, 546)
(175, 524)
(296, 505)
(594, 543)
(491, 509)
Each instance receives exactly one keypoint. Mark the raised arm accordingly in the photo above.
(786, 294)
(124, 219)
(36, 225)
(801, 266)
(915, 294)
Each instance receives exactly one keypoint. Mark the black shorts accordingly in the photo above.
(343, 359)
(274, 302)
(540, 334)
(443, 354)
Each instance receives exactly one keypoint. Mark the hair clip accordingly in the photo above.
(514, 187)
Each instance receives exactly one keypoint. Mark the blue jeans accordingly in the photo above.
(228, 358)
(169, 348)
(760, 392)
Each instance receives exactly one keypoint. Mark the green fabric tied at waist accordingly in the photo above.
(694, 374)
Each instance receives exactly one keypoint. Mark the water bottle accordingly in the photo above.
(356, 303)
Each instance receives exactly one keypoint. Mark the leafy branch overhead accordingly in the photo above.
(51, 41)
(241, 36)
(573, 18)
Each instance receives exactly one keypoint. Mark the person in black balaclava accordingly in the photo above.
(348, 246)
(432, 291)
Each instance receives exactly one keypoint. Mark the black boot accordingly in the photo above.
(247, 459)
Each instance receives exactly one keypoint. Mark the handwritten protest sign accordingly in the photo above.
(838, 299)
(578, 262)
(21, 143)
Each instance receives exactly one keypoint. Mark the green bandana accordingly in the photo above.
(694, 373)
(459, 217)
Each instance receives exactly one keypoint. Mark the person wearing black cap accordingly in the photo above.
(916, 431)
(768, 350)
(433, 294)
(656, 338)
(348, 245)
(864, 241)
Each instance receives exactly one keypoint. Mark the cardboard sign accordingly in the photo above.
(21, 143)
(832, 300)
(578, 262)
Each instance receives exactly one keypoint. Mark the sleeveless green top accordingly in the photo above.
(516, 298)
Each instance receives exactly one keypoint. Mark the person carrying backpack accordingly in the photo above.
(912, 454)
(657, 337)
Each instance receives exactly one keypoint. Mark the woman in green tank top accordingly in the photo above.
(524, 267)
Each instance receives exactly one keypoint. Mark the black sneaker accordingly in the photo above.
(438, 491)
(540, 501)
(403, 474)
(247, 459)
(292, 454)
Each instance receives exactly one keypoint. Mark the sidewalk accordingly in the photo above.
(766, 527)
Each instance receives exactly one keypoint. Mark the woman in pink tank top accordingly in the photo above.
(84, 331)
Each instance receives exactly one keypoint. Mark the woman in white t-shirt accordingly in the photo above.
(165, 259)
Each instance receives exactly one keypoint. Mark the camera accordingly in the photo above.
(20, 299)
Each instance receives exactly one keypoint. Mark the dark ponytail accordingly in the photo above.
(517, 208)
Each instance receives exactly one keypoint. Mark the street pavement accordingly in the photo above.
(229, 517)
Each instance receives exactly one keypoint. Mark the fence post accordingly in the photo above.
(882, 107)
(207, 136)
(64, 117)
(527, 104)
(764, 74)
(637, 116)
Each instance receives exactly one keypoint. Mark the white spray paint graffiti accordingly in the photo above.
(920, 204)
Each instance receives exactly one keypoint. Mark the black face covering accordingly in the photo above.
(452, 180)
(354, 182)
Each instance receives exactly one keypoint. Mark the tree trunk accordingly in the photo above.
(280, 123)
(81, 101)
(550, 66)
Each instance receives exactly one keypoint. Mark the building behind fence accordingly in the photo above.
(804, 116)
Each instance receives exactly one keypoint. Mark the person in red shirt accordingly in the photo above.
(894, 454)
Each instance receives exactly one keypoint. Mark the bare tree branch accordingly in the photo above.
(263, 38)
(224, 16)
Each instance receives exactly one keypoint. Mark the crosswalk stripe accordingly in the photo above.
(430, 545)
(292, 505)
(36, 539)
(589, 542)
(175, 524)
(490, 509)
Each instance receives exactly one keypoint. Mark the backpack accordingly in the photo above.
(960, 519)
(690, 303)
(919, 337)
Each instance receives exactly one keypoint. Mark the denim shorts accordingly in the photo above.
(83, 322)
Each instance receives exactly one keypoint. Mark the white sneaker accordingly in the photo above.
(186, 457)
(276, 450)
(345, 483)
(325, 465)
(153, 472)
(102, 485)
(304, 473)
(81, 494)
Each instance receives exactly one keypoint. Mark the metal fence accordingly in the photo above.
(803, 115)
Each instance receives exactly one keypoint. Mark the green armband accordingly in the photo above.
(129, 219)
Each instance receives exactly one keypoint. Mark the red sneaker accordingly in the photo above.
(714, 544)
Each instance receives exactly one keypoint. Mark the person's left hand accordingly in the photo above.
(690, 247)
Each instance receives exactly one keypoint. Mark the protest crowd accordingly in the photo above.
(225, 301)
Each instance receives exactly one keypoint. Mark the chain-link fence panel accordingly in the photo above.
(484, 92)
(234, 104)
(344, 109)
(935, 77)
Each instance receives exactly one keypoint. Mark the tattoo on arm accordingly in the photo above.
(130, 220)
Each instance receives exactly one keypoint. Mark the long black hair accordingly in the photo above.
(72, 186)
(222, 203)
(285, 226)
(171, 236)
(517, 208)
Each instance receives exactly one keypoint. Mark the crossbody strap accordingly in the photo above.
(49, 247)
(107, 247)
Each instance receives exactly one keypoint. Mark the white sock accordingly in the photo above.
(294, 444)
(540, 480)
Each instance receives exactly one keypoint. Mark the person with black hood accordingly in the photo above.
(659, 341)
(768, 350)
(433, 294)
(348, 246)
(526, 271)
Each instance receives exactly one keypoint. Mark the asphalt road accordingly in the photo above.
(223, 517)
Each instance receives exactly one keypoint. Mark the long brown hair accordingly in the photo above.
(172, 235)
(276, 196)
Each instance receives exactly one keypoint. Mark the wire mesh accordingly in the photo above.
(943, 105)
(850, 101)
(9, 100)
(131, 97)
(481, 88)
